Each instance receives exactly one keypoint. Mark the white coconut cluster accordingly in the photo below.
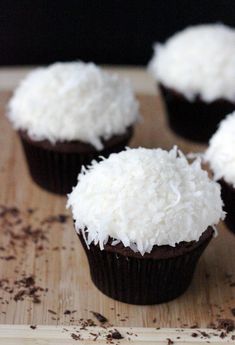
(73, 101)
(199, 60)
(221, 152)
(145, 197)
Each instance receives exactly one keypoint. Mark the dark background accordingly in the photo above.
(106, 32)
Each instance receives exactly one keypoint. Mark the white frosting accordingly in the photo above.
(221, 151)
(145, 197)
(73, 101)
(199, 60)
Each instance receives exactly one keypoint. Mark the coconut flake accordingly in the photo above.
(73, 101)
(145, 197)
(200, 60)
(221, 151)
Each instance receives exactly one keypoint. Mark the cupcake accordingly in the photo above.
(195, 73)
(68, 114)
(221, 157)
(144, 217)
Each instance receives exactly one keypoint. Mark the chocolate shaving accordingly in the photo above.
(222, 335)
(204, 334)
(194, 335)
(19, 296)
(31, 210)
(233, 311)
(114, 335)
(8, 258)
(52, 312)
(60, 218)
(13, 211)
(36, 300)
(75, 336)
(169, 341)
(27, 281)
(33, 326)
(226, 324)
(99, 317)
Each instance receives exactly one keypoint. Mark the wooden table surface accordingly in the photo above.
(56, 260)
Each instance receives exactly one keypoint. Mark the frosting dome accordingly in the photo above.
(199, 60)
(145, 197)
(221, 151)
(73, 101)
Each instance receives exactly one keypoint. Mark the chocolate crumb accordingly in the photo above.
(99, 317)
(233, 337)
(169, 341)
(67, 312)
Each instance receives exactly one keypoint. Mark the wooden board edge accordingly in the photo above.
(24, 334)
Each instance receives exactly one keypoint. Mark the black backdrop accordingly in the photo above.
(111, 32)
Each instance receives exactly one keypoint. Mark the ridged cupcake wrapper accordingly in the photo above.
(195, 120)
(228, 197)
(57, 171)
(142, 281)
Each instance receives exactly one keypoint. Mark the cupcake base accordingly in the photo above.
(196, 120)
(154, 278)
(228, 197)
(56, 167)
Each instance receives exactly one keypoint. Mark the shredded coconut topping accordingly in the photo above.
(145, 197)
(199, 60)
(73, 101)
(221, 151)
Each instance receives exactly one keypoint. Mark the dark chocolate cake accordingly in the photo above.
(194, 120)
(153, 278)
(228, 196)
(55, 167)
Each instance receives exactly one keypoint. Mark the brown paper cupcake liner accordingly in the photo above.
(228, 197)
(57, 170)
(195, 120)
(143, 280)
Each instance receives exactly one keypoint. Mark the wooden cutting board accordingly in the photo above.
(54, 258)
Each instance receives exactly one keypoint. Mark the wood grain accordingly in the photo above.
(59, 335)
(65, 272)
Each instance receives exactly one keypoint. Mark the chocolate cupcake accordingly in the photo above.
(195, 73)
(221, 157)
(144, 217)
(68, 114)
